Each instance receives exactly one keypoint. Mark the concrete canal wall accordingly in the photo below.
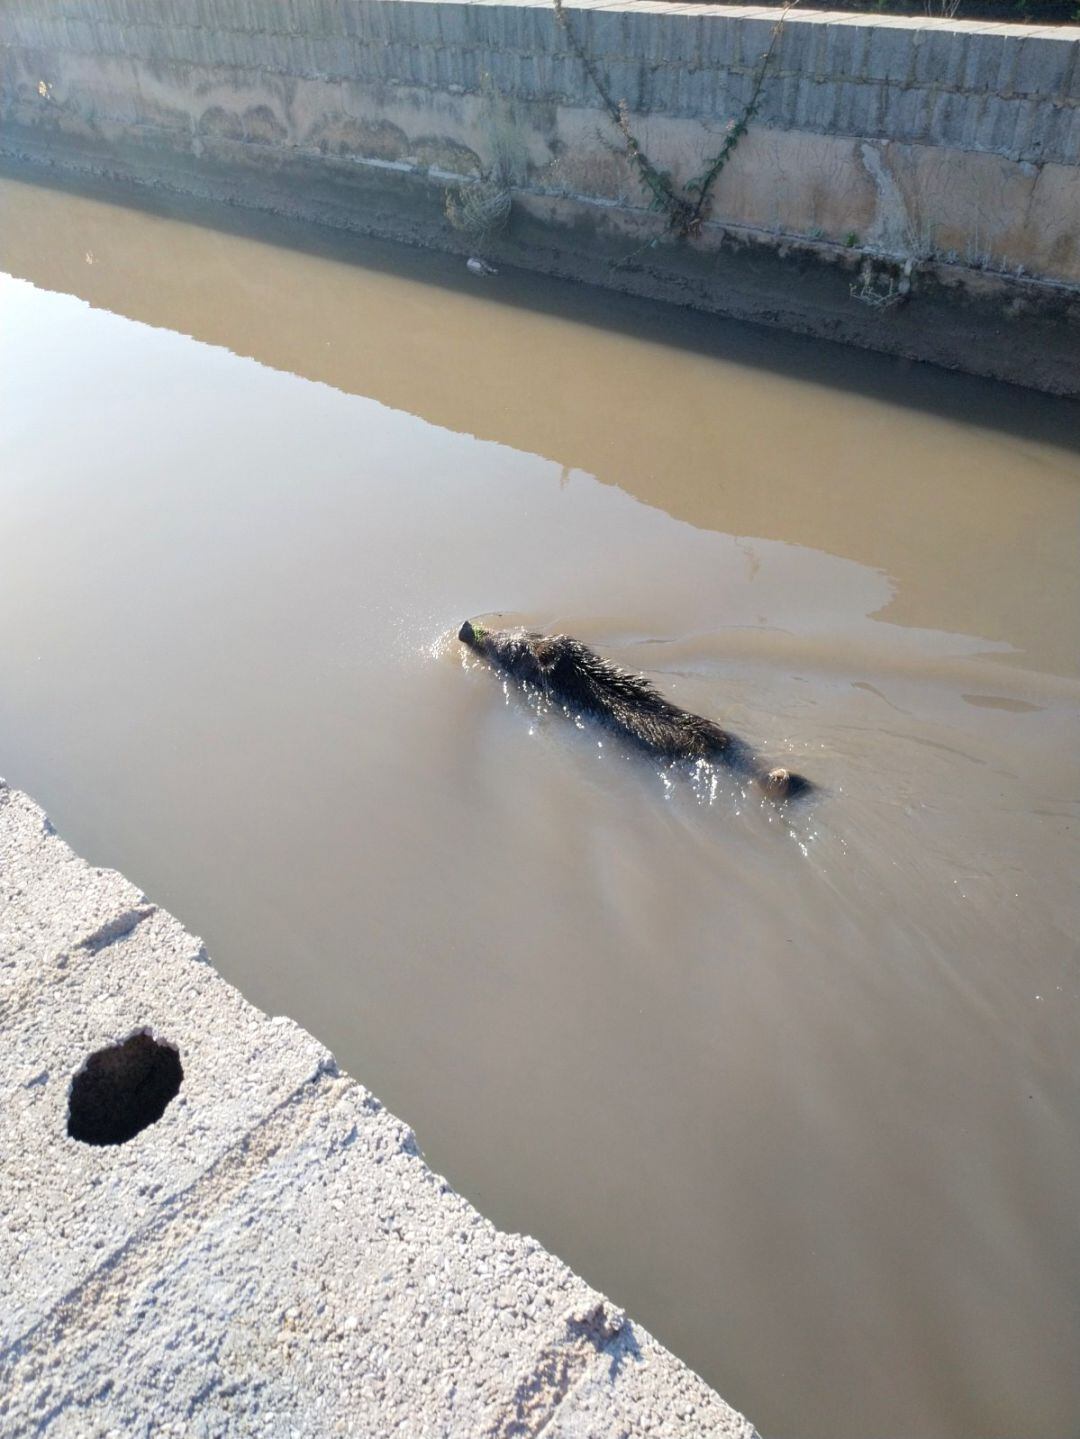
(912, 185)
(271, 1255)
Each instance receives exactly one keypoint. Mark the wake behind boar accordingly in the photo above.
(573, 675)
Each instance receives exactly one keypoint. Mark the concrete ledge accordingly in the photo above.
(272, 1255)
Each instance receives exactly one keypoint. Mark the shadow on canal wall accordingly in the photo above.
(910, 186)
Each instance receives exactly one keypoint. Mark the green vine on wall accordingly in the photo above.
(686, 212)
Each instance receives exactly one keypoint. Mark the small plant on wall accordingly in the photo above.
(686, 211)
(480, 209)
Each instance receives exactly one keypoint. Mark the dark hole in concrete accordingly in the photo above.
(122, 1089)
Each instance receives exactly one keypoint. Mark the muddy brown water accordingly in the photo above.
(800, 1092)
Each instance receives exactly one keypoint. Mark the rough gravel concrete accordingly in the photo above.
(272, 1256)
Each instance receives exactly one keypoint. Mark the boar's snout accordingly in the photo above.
(467, 634)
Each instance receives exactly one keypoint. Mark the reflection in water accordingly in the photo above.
(807, 1108)
(960, 504)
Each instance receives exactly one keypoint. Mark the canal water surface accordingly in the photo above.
(801, 1091)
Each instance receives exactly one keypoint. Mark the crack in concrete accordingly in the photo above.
(116, 928)
(58, 956)
(556, 1369)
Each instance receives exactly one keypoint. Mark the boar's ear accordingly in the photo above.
(545, 653)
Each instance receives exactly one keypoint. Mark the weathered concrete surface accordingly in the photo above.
(943, 155)
(272, 1256)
